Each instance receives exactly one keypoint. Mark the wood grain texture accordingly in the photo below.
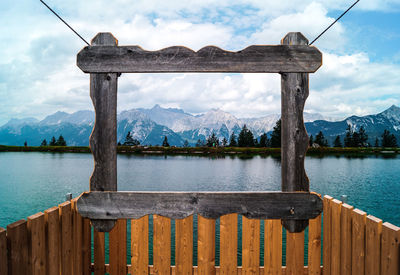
(53, 241)
(86, 246)
(294, 253)
(37, 243)
(345, 239)
(17, 245)
(178, 205)
(99, 252)
(103, 140)
(77, 238)
(3, 252)
(250, 246)
(294, 137)
(314, 246)
(184, 245)
(373, 231)
(140, 246)
(66, 238)
(206, 246)
(273, 247)
(228, 244)
(327, 240)
(336, 206)
(161, 245)
(117, 245)
(358, 220)
(253, 59)
(390, 263)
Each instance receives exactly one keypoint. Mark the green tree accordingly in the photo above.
(44, 143)
(264, 140)
(224, 141)
(376, 142)
(186, 143)
(276, 135)
(362, 137)
(25, 143)
(200, 143)
(53, 141)
(311, 140)
(130, 141)
(348, 139)
(388, 139)
(337, 142)
(246, 138)
(212, 141)
(165, 142)
(321, 140)
(61, 141)
(232, 140)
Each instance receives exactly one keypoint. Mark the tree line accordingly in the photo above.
(53, 142)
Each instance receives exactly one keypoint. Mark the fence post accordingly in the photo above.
(294, 138)
(103, 140)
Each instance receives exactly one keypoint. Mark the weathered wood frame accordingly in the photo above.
(105, 60)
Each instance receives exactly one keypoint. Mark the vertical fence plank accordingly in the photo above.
(390, 249)
(294, 253)
(117, 244)
(184, 245)
(358, 242)
(77, 239)
(17, 244)
(250, 246)
(373, 230)
(86, 247)
(228, 244)
(206, 246)
(140, 246)
(99, 252)
(336, 206)
(37, 243)
(273, 247)
(345, 239)
(66, 238)
(327, 240)
(314, 246)
(52, 218)
(3, 252)
(161, 245)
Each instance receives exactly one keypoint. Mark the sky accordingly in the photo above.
(360, 74)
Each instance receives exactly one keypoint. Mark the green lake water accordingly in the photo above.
(34, 181)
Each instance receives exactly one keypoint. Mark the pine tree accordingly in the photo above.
(130, 141)
(212, 141)
(246, 138)
(311, 140)
(224, 141)
(232, 140)
(388, 139)
(362, 137)
(200, 143)
(53, 141)
(186, 143)
(376, 142)
(276, 135)
(165, 142)
(44, 143)
(321, 140)
(25, 143)
(337, 143)
(348, 139)
(263, 140)
(61, 141)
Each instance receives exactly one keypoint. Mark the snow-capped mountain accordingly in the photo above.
(150, 126)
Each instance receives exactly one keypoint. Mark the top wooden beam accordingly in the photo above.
(178, 59)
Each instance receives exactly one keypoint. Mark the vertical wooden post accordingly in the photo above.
(53, 244)
(206, 246)
(17, 245)
(314, 246)
(273, 247)
(37, 244)
(103, 140)
(294, 138)
(3, 251)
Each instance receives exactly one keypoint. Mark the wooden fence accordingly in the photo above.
(60, 241)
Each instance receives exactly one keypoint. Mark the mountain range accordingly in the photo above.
(150, 126)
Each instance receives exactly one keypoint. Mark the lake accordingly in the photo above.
(31, 182)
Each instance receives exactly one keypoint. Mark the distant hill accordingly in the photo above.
(150, 126)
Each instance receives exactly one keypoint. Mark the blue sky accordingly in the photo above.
(361, 54)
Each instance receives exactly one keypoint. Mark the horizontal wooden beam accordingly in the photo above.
(253, 59)
(177, 205)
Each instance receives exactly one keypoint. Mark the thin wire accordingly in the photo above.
(334, 22)
(65, 22)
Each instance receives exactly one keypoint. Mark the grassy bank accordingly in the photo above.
(197, 150)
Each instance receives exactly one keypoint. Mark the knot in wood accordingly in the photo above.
(291, 210)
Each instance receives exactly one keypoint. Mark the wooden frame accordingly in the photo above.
(105, 61)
